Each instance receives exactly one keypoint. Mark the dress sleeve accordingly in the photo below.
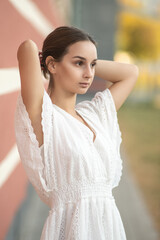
(35, 165)
(104, 106)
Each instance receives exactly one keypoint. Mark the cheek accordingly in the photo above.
(62, 74)
(70, 72)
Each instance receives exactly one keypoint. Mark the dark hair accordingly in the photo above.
(57, 43)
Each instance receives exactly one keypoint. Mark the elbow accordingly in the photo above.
(134, 72)
(25, 46)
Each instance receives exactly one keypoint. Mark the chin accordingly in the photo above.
(82, 91)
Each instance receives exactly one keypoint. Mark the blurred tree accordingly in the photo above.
(131, 3)
(141, 36)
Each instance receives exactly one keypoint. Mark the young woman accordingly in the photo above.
(71, 152)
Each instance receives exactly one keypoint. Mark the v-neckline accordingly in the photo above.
(92, 132)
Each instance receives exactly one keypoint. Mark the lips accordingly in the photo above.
(84, 83)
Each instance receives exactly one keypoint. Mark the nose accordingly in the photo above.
(88, 73)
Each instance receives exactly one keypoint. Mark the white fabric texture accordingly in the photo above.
(72, 174)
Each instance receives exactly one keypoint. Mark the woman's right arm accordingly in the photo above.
(32, 86)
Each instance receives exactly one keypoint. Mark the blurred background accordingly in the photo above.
(126, 31)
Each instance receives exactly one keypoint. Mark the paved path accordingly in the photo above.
(135, 216)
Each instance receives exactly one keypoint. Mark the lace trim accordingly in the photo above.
(118, 136)
(48, 141)
(114, 111)
(23, 116)
(108, 105)
(103, 107)
(29, 149)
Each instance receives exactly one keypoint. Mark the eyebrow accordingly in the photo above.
(84, 58)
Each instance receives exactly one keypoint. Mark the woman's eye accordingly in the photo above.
(79, 63)
(93, 64)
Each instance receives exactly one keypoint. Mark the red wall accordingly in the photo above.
(14, 29)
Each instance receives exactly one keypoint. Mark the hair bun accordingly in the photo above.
(40, 59)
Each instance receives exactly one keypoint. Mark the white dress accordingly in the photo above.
(72, 174)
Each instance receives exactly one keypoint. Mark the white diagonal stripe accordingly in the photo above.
(30, 11)
(9, 80)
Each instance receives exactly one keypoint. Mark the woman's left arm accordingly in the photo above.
(122, 75)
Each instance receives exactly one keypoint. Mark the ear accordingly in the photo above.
(50, 63)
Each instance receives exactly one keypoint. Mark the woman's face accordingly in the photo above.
(76, 67)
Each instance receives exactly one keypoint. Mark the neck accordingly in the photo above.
(64, 100)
